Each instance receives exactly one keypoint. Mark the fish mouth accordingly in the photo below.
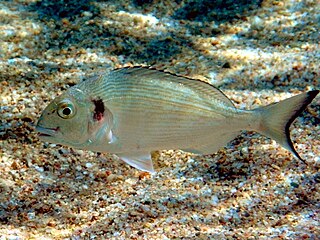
(47, 132)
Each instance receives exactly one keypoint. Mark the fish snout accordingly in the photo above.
(47, 132)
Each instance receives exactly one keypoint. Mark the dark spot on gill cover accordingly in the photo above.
(99, 109)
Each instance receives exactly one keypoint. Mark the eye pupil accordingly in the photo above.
(66, 111)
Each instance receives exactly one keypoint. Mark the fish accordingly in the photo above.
(133, 111)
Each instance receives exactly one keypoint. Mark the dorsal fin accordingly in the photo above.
(195, 84)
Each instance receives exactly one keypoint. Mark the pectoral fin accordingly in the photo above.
(110, 137)
(141, 161)
(105, 134)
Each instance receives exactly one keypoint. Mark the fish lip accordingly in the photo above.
(47, 132)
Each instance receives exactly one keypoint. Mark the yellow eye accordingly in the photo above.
(66, 109)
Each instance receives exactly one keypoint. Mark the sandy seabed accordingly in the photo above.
(256, 53)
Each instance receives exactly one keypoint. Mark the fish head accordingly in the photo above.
(68, 120)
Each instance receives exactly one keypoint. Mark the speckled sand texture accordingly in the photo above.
(257, 53)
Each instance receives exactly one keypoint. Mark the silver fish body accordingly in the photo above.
(133, 111)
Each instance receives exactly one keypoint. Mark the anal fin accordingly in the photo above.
(213, 144)
(141, 161)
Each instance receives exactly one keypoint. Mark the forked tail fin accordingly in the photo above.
(277, 118)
